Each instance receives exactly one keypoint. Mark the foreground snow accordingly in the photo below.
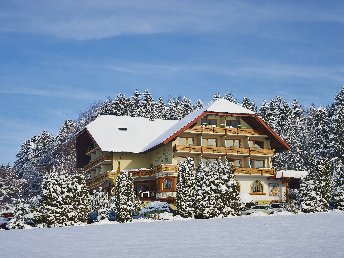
(306, 235)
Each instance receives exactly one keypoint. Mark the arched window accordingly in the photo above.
(257, 187)
(167, 184)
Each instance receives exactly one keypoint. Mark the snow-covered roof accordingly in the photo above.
(220, 105)
(142, 134)
(291, 174)
(223, 105)
(126, 134)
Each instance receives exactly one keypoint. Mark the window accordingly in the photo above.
(257, 187)
(235, 143)
(257, 163)
(204, 160)
(209, 142)
(237, 163)
(206, 121)
(167, 184)
(256, 144)
(233, 123)
(186, 141)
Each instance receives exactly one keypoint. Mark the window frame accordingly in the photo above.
(234, 140)
(255, 163)
(207, 142)
(255, 185)
(170, 183)
(186, 141)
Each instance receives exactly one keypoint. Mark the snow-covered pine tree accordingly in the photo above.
(228, 187)
(198, 105)
(10, 186)
(185, 106)
(64, 151)
(125, 200)
(34, 159)
(159, 110)
(230, 97)
(100, 204)
(120, 105)
(147, 104)
(217, 96)
(64, 201)
(250, 105)
(21, 209)
(135, 105)
(337, 198)
(336, 124)
(315, 188)
(186, 188)
(202, 192)
(172, 111)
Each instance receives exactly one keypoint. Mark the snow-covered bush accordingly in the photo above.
(153, 209)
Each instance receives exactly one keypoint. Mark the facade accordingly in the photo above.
(151, 150)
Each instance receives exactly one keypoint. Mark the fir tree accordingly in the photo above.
(337, 198)
(250, 105)
(18, 221)
(230, 97)
(202, 192)
(125, 200)
(64, 201)
(228, 187)
(100, 204)
(186, 188)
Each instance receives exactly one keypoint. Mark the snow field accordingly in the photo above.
(304, 235)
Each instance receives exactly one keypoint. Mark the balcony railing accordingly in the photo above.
(100, 179)
(254, 171)
(150, 172)
(224, 150)
(222, 130)
(97, 162)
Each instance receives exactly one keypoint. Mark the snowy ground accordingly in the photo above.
(311, 235)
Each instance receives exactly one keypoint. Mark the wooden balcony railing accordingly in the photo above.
(224, 150)
(99, 179)
(97, 162)
(222, 130)
(254, 171)
(150, 172)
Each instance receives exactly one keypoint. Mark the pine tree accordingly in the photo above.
(315, 188)
(230, 97)
(202, 192)
(337, 198)
(250, 105)
(100, 204)
(135, 105)
(336, 124)
(229, 191)
(64, 201)
(18, 221)
(125, 200)
(198, 105)
(186, 188)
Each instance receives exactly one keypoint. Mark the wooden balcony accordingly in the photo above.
(254, 171)
(145, 172)
(222, 130)
(211, 149)
(100, 179)
(264, 152)
(97, 162)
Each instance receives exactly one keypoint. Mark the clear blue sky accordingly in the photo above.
(56, 57)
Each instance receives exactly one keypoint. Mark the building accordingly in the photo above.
(151, 150)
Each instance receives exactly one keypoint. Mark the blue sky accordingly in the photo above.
(57, 57)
